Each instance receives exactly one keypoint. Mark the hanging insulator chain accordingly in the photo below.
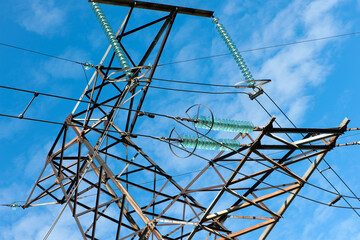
(112, 39)
(234, 51)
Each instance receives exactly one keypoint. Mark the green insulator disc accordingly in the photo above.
(88, 65)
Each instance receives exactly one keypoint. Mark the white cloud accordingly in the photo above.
(232, 8)
(35, 225)
(42, 17)
(9, 127)
(37, 160)
(296, 69)
(293, 70)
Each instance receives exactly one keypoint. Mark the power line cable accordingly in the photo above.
(40, 53)
(268, 184)
(107, 105)
(157, 138)
(86, 77)
(221, 165)
(333, 170)
(264, 48)
(194, 59)
(193, 83)
(193, 91)
(72, 99)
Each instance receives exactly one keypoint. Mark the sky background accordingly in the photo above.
(315, 83)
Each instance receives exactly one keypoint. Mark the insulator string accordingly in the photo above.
(234, 51)
(226, 125)
(112, 38)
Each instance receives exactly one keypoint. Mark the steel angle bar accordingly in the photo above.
(144, 26)
(281, 140)
(306, 176)
(252, 202)
(298, 159)
(157, 7)
(249, 217)
(257, 200)
(101, 62)
(232, 176)
(162, 46)
(157, 193)
(306, 130)
(217, 233)
(176, 222)
(120, 216)
(94, 209)
(77, 175)
(285, 147)
(119, 186)
(274, 186)
(249, 229)
(68, 204)
(281, 166)
(97, 203)
(114, 196)
(265, 173)
(315, 138)
(158, 168)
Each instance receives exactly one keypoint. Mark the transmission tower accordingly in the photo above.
(95, 168)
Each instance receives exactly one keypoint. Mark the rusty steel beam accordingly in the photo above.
(306, 176)
(157, 7)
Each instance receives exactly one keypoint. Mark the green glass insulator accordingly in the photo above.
(233, 49)
(252, 84)
(14, 206)
(111, 37)
(215, 20)
(225, 124)
(209, 144)
(88, 65)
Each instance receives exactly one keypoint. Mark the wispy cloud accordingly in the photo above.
(296, 69)
(35, 225)
(41, 17)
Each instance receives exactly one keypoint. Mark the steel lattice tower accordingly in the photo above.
(93, 153)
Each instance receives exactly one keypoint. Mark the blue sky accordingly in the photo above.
(315, 83)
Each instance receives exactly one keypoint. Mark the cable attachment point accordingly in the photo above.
(179, 140)
(142, 113)
(335, 200)
(256, 93)
(137, 74)
(14, 205)
(134, 82)
(127, 134)
(88, 65)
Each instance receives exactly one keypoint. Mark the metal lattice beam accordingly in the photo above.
(96, 168)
